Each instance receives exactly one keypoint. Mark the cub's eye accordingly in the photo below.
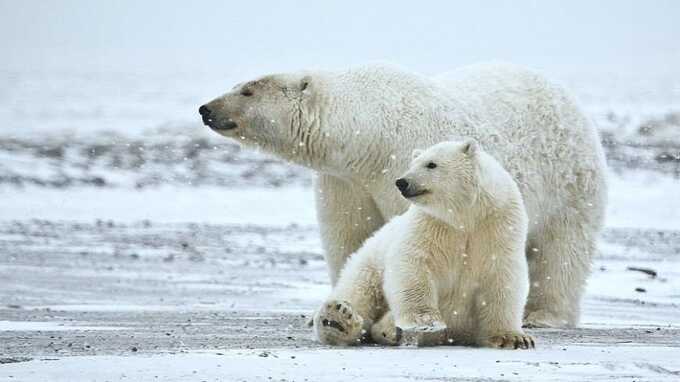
(246, 92)
(431, 165)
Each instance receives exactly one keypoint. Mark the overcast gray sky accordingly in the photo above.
(166, 36)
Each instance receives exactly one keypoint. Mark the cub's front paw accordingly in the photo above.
(335, 323)
(511, 340)
(423, 336)
(384, 332)
(425, 330)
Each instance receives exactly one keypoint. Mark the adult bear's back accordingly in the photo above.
(537, 131)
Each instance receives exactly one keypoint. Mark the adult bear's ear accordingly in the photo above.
(416, 153)
(470, 147)
(304, 84)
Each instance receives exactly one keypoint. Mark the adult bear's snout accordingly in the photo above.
(210, 120)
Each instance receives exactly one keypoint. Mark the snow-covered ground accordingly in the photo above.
(628, 362)
(105, 300)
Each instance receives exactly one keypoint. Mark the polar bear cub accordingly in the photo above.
(452, 269)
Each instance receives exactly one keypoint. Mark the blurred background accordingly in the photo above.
(104, 94)
(112, 193)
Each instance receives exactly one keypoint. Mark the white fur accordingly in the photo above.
(452, 267)
(357, 129)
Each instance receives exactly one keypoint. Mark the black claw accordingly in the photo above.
(333, 324)
(398, 333)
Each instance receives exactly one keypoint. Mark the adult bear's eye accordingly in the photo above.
(246, 92)
(431, 165)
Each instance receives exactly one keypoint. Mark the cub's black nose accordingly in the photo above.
(204, 111)
(402, 184)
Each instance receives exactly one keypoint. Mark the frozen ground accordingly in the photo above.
(167, 253)
(115, 301)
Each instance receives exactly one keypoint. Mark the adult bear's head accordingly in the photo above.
(331, 121)
(277, 113)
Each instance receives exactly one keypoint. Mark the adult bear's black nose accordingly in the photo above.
(402, 184)
(203, 110)
(205, 114)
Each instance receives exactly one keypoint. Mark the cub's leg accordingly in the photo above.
(347, 216)
(500, 301)
(385, 332)
(356, 301)
(412, 297)
(501, 320)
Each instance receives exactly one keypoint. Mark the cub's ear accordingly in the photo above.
(416, 153)
(470, 147)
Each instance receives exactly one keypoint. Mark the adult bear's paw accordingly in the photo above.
(335, 323)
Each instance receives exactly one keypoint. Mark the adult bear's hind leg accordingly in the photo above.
(347, 216)
(559, 261)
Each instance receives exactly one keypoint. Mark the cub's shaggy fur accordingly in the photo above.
(451, 269)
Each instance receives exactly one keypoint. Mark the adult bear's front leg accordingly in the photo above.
(347, 216)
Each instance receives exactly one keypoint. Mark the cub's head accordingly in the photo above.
(442, 177)
(268, 113)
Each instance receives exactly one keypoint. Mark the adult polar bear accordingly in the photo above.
(357, 129)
